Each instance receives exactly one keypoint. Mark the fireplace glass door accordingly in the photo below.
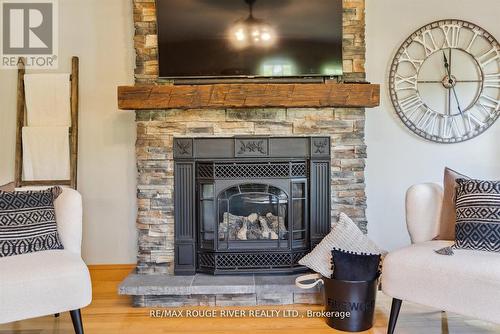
(252, 215)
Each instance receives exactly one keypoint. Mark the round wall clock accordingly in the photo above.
(445, 81)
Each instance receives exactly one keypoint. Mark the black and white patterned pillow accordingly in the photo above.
(478, 215)
(28, 222)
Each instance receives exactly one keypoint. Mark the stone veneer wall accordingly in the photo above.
(156, 129)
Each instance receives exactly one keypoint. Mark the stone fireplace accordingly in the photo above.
(158, 130)
(224, 172)
(249, 204)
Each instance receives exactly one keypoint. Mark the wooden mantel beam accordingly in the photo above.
(248, 95)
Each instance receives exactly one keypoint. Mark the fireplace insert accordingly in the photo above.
(249, 205)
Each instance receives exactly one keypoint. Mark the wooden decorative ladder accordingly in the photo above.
(73, 131)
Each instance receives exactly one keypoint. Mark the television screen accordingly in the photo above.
(249, 38)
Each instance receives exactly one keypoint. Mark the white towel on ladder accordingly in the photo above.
(48, 99)
(46, 153)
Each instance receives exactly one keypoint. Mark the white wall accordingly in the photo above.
(100, 32)
(396, 157)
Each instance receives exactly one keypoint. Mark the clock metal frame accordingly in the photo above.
(417, 64)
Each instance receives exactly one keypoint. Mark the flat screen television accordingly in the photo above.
(249, 38)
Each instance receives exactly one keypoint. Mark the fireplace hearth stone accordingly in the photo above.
(209, 290)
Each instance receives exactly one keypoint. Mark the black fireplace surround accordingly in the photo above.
(249, 204)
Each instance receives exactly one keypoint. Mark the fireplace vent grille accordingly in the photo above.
(299, 169)
(206, 260)
(242, 261)
(205, 171)
(251, 170)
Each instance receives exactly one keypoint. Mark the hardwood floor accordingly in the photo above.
(110, 314)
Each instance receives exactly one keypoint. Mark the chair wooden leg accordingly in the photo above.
(396, 306)
(76, 317)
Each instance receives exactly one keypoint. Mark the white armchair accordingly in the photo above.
(467, 283)
(49, 282)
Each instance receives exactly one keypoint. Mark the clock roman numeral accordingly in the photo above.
(473, 39)
(405, 57)
(406, 83)
(450, 127)
(485, 108)
(488, 57)
(428, 42)
(451, 35)
(428, 121)
(471, 122)
(492, 80)
(489, 102)
(411, 104)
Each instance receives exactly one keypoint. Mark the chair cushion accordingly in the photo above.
(42, 283)
(478, 215)
(28, 222)
(467, 283)
(448, 211)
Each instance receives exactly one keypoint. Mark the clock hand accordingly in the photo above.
(450, 80)
(446, 65)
